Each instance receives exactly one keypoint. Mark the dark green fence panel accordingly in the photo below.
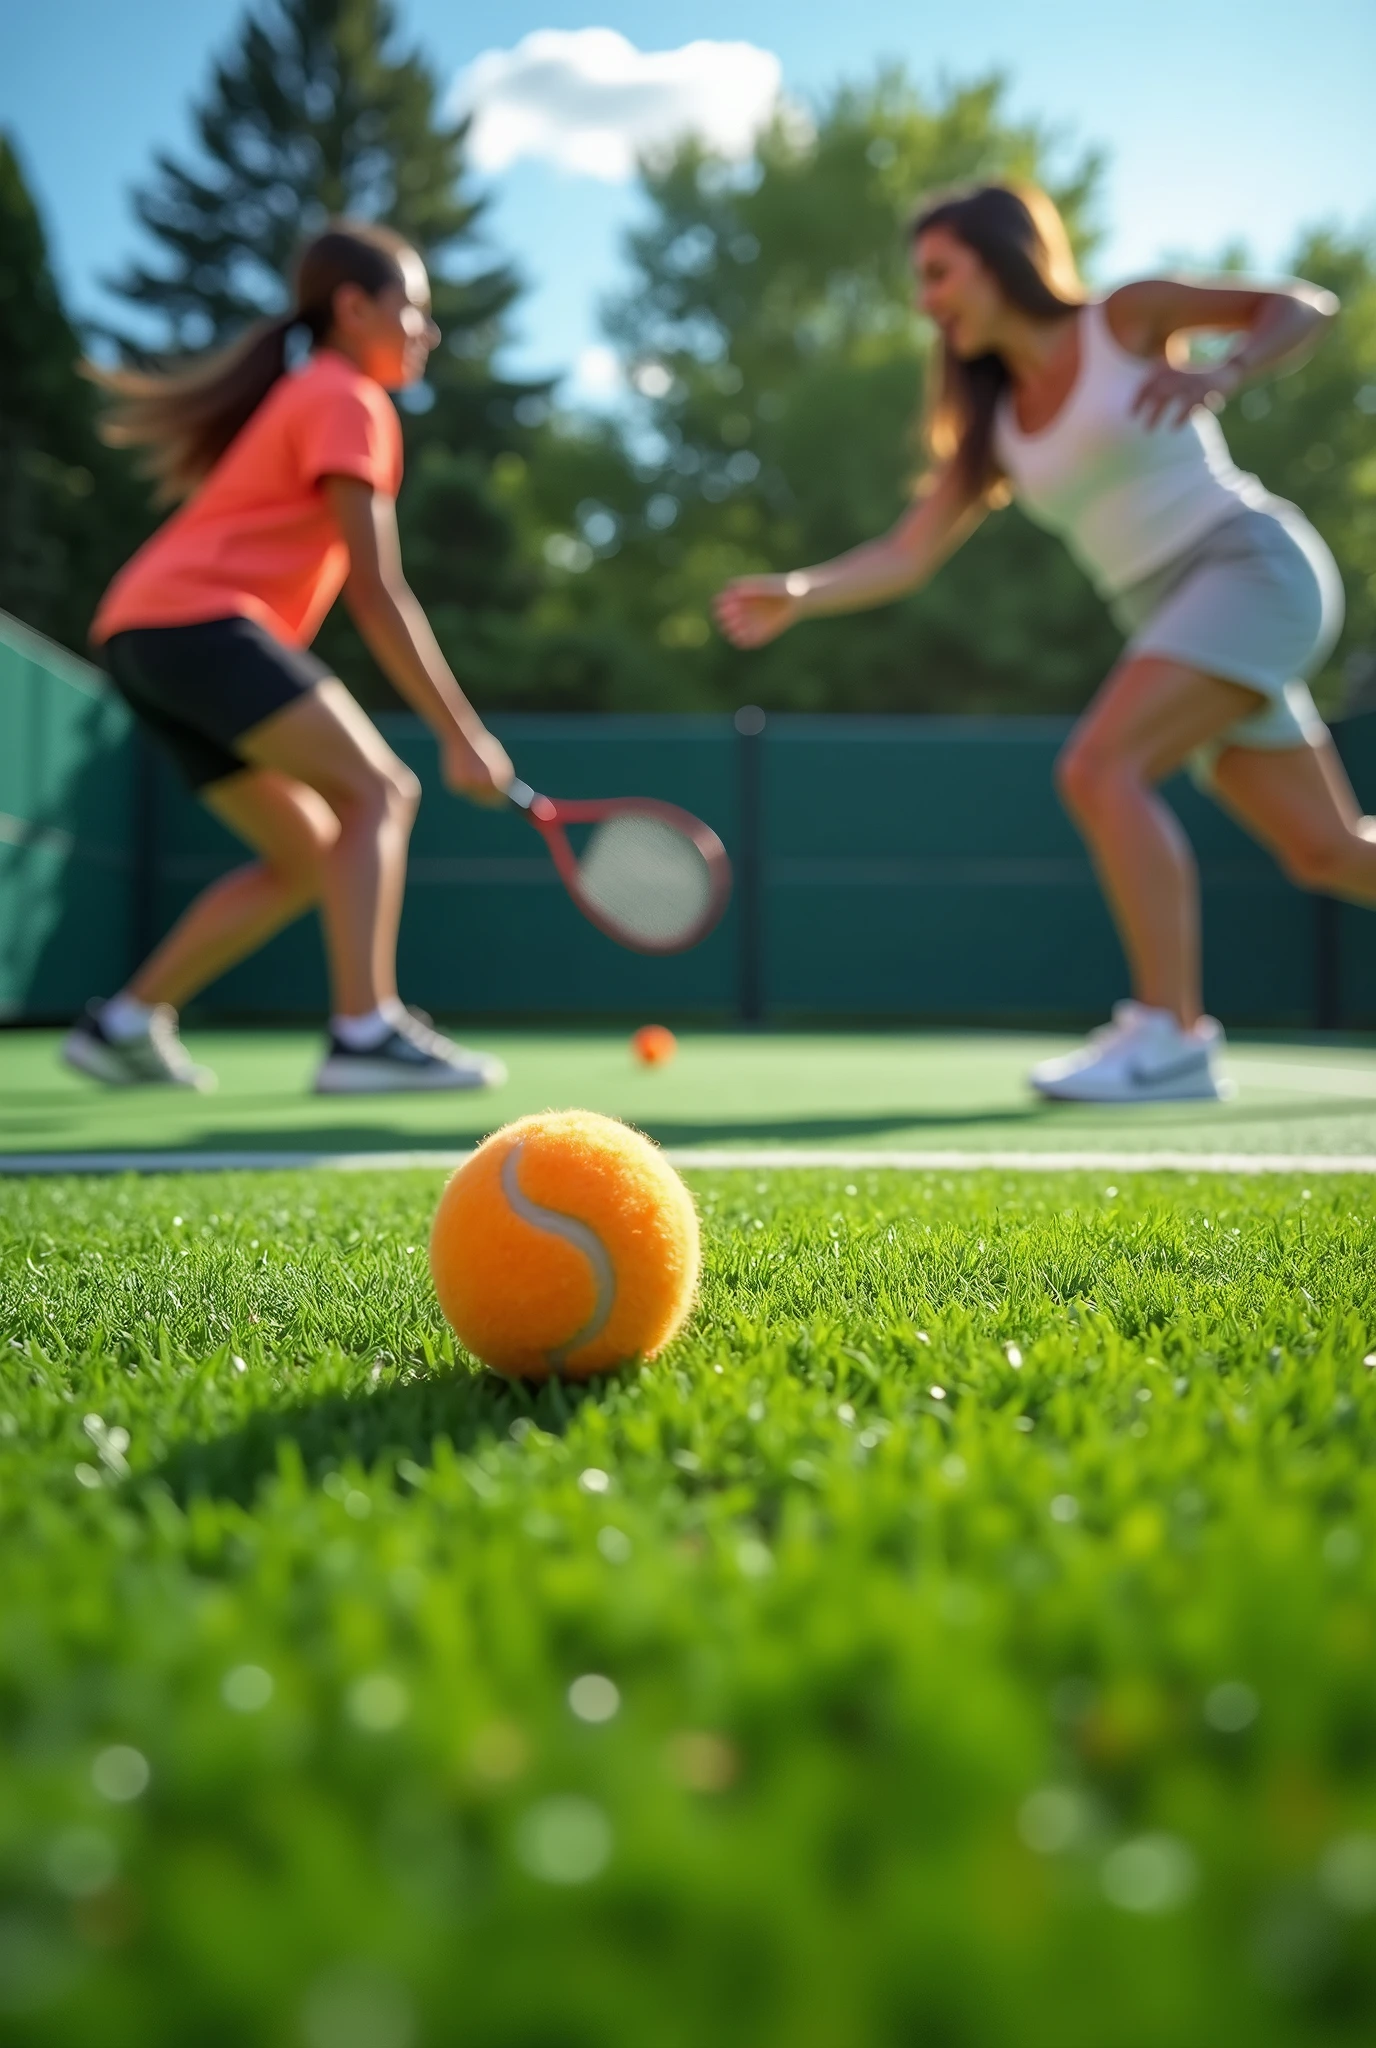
(67, 765)
(904, 868)
(924, 867)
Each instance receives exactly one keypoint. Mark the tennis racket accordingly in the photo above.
(649, 875)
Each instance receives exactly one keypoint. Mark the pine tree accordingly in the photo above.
(67, 504)
(317, 111)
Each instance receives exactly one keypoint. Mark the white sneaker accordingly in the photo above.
(411, 1059)
(1142, 1056)
(156, 1058)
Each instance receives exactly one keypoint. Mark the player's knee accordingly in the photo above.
(1319, 861)
(397, 796)
(383, 792)
(1094, 781)
(1082, 778)
(404, 788)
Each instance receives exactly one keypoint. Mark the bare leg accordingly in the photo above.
(328, 742)
(1298, 802)
(1149, 717)
(292, 829)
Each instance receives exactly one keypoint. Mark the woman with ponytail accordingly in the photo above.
(1087, 412)
(287, 482)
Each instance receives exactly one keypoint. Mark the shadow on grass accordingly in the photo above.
(1032, 1116)
(1223, 1115)
(369, 1426)
(339, 1137)
(667, 1131)
(1216, 1116)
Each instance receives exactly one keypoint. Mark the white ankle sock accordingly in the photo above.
(124, 1017)
(361, 1034)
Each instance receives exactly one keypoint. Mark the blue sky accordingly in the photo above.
(1222, 121)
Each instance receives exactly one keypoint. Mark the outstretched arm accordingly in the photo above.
(398, 634)
(1278, 327)
(756, 609)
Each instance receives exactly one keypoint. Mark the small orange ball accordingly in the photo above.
(566, 1244)
(654, 1045)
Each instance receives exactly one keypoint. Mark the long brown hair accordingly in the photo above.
(187, 415)
(1018, 234)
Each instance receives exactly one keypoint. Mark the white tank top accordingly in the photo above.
(1123, 496)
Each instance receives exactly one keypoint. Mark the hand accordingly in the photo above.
(1168, 396)
(477, 766)
(756, 609)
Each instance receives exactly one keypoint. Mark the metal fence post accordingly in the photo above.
(1328, 963)
(750, 724)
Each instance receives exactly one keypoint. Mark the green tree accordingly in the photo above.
(770, 333)
(67, 504)
(318, 110)
(769, 330)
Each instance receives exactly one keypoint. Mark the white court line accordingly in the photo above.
(748, 1160)
(1036, 1162)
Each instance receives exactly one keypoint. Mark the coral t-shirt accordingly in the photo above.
(257, 539)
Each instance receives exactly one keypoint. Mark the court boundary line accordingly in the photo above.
(755, 1159)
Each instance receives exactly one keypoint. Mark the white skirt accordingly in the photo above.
(1257, 601)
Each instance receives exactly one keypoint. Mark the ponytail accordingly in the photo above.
(187, 417)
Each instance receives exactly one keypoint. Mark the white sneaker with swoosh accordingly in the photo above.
(1143, 1055)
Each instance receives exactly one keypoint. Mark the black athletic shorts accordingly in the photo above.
(200, 688)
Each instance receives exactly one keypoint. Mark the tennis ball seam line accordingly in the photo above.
(582, 1237)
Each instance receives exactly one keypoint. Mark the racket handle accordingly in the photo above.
(537, 808)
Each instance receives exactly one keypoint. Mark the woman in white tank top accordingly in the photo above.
(1084, 411)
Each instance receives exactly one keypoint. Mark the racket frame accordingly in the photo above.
(549, 816)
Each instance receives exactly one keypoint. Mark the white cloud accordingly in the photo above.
(589, 101)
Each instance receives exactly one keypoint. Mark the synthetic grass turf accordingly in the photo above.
(931, 1090)
(986, 1582)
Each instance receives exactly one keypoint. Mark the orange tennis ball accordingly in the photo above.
(566, 1244)
(654, 1045)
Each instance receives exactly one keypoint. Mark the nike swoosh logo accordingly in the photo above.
(1147, 1077)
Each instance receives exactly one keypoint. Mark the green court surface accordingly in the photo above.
(746, 1093)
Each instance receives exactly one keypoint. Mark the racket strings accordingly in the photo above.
(646, 876)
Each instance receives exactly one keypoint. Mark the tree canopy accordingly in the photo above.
(68, 505)
(774, 367)
(769, 332)
(317, 110)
